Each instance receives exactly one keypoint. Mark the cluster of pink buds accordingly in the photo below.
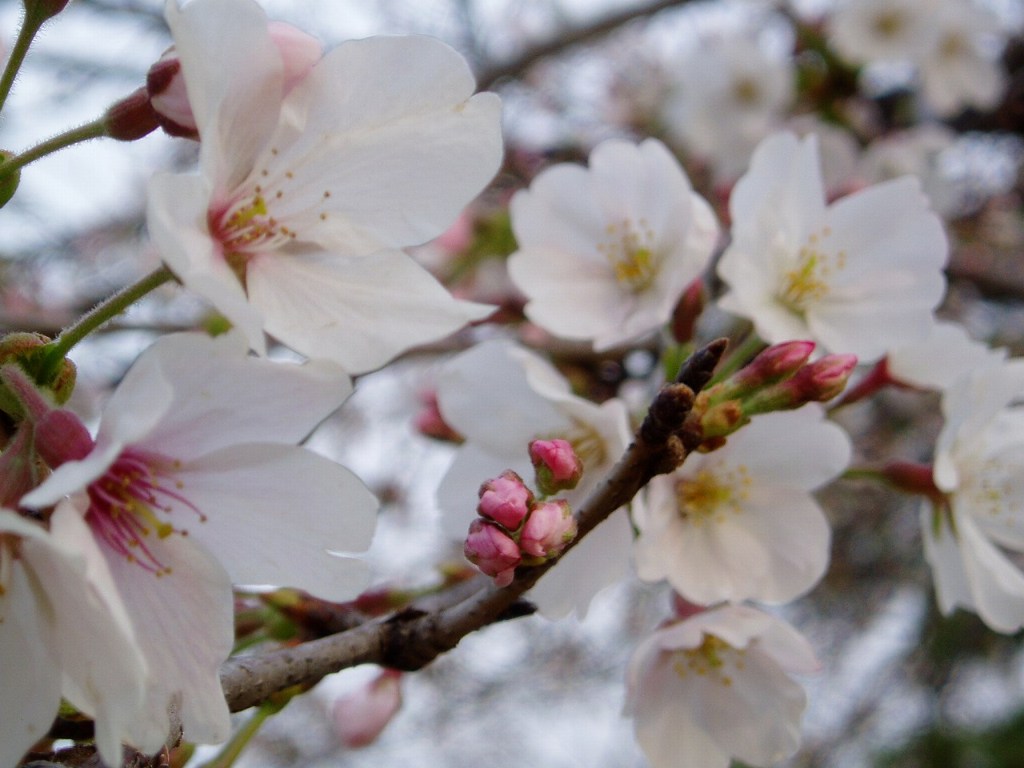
(778, 379)
(516, 528)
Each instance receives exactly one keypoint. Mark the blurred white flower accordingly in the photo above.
(866, 31)
(941, 359)
(974, 544)
(606, 252)
(740, 523)
(716, 686)
(961, 67)
(500, 397)
(917, 151)
(729, 93)
(862, 275)
(293, 225)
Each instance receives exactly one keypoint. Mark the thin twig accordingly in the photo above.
(568, 38)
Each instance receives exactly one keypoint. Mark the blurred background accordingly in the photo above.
(900, 686)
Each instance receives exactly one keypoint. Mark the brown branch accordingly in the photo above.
(567, 39)
(417, 635)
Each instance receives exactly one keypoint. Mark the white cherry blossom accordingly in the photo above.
(194, 482)
(716, 686)
(63, 632)
(729, 93)
(606, 252)
(861, 275)
(500, 397)
(740, 523)
(293, 224)
(972, 544)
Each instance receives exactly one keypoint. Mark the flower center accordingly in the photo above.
(714, 659)
(888, 24)
(246, 228)
(630, 251)
(710, 496)
(129, 502)
(808, 282)
(746, 92)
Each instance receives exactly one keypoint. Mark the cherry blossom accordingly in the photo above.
(979, 463)
(861, 275)
(501, 397)
(194, 481)
(605, 253)
(64, 632)
(730, 92)
(739, 523)
(865, 31)
(293, 224)
(716, 686)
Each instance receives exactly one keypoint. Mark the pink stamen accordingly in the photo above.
(126, 504)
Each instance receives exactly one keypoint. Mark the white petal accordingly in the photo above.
(29, 674)
(360, 313)
(184, 624)
(274, 513)
(176, 215)
(408, 147)
(222, 396)
(234, 81)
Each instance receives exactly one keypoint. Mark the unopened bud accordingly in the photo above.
(61, 436)
(41, 10)
(132, 117)
(817, 382)
(913, 478)
(8, 181)
(557, 466)
(550, 527)
(493, 551)
(430, 422)
(688, 311)
(360, 716)
(505, 500)
(29, 350)
(774, 364)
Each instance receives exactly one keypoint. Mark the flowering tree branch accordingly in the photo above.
(569, 38)
(415, 636)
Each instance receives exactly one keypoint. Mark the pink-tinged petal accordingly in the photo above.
(184, 625)
(274, 514)
(176, 215)
(29, 674)
(104, 670)
(360, 313)
(408, 145)
(236, 94)
(222, 396)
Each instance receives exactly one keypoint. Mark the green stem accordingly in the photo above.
(29, 27)
(109, 308)
(867, 473)
(738, 357)
(241, 738)
(94, 130)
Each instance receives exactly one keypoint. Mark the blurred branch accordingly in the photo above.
(417, 635)
(568, 38)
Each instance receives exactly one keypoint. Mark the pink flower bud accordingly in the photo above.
(549, 528)
(132, 117)
(816, 382)
(688, 311)
(493, 551)
(166, 83)
(557, 465)
(61, 437)
(431, 423)
(505, 500)
(361, 715)
(773, 365)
